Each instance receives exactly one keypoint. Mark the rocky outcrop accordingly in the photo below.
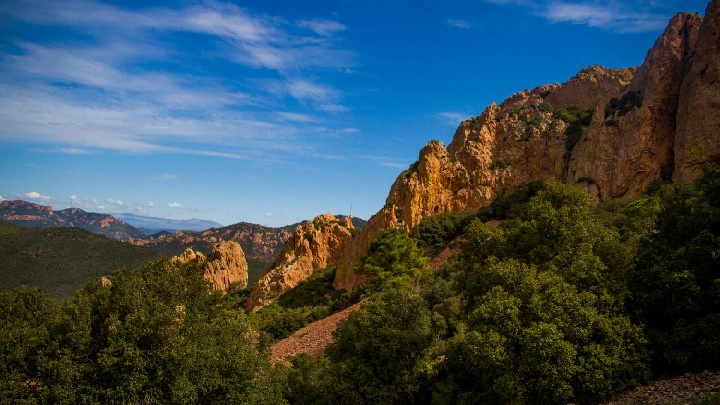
(698, 122)
(226, 265)
(628, 144)
(613, 131)
(591, 86)
(315, 244)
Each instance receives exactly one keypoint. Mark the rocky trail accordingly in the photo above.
(312, 339)
(687, 389)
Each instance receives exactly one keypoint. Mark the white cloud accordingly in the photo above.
(117, 203)
(175, 205)
(83, 96)
(2, 198)
(151, 204)
(269, 214)
(458, 23)
(35, 196)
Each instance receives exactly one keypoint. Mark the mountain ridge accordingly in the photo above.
(613, 131)
(28, 214)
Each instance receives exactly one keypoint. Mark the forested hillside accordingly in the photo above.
(551, 299)
(60, 260)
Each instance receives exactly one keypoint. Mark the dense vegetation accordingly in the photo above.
(154, 336)
(551, 299)
(61, 260)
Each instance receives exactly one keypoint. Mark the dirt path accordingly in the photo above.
(313, 339)
(688, 388)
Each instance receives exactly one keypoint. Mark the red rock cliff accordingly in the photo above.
(316, 244)
(626, 127)
(225, 266)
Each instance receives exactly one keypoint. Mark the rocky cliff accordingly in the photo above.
(614, 131)
(226, 265)
(315, 244)
(698, 119)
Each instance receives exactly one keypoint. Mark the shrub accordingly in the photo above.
(436, 232)
(576, 120)
(499, 164)
(546, 107)
(624, 104)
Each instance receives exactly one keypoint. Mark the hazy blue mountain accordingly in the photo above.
(153, 225)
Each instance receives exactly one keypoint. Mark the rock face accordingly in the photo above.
(613, 131)
(225, 266)
(315, 244)
(698, 120)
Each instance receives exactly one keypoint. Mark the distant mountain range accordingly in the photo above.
(153, 225)
(28, 214)
(261, 244)
(115, 226)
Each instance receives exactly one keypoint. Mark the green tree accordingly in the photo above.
(395, 260)
(532, 337)
(543, 309)
(378, 350)
(563, 235)
(676, 284)
(24, 313)
(155, 335)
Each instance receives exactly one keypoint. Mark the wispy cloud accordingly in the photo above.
(75, 151)
(452, 117)
(614, 15)
(175, 205)
(322, 27)
(2, 198)
(458, 23)
(105, 91)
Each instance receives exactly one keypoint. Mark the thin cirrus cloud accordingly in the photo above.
(452, 117)
(619, 16)
(105, 93)
(458, 23)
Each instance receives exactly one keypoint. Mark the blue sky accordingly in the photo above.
(272, 111)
